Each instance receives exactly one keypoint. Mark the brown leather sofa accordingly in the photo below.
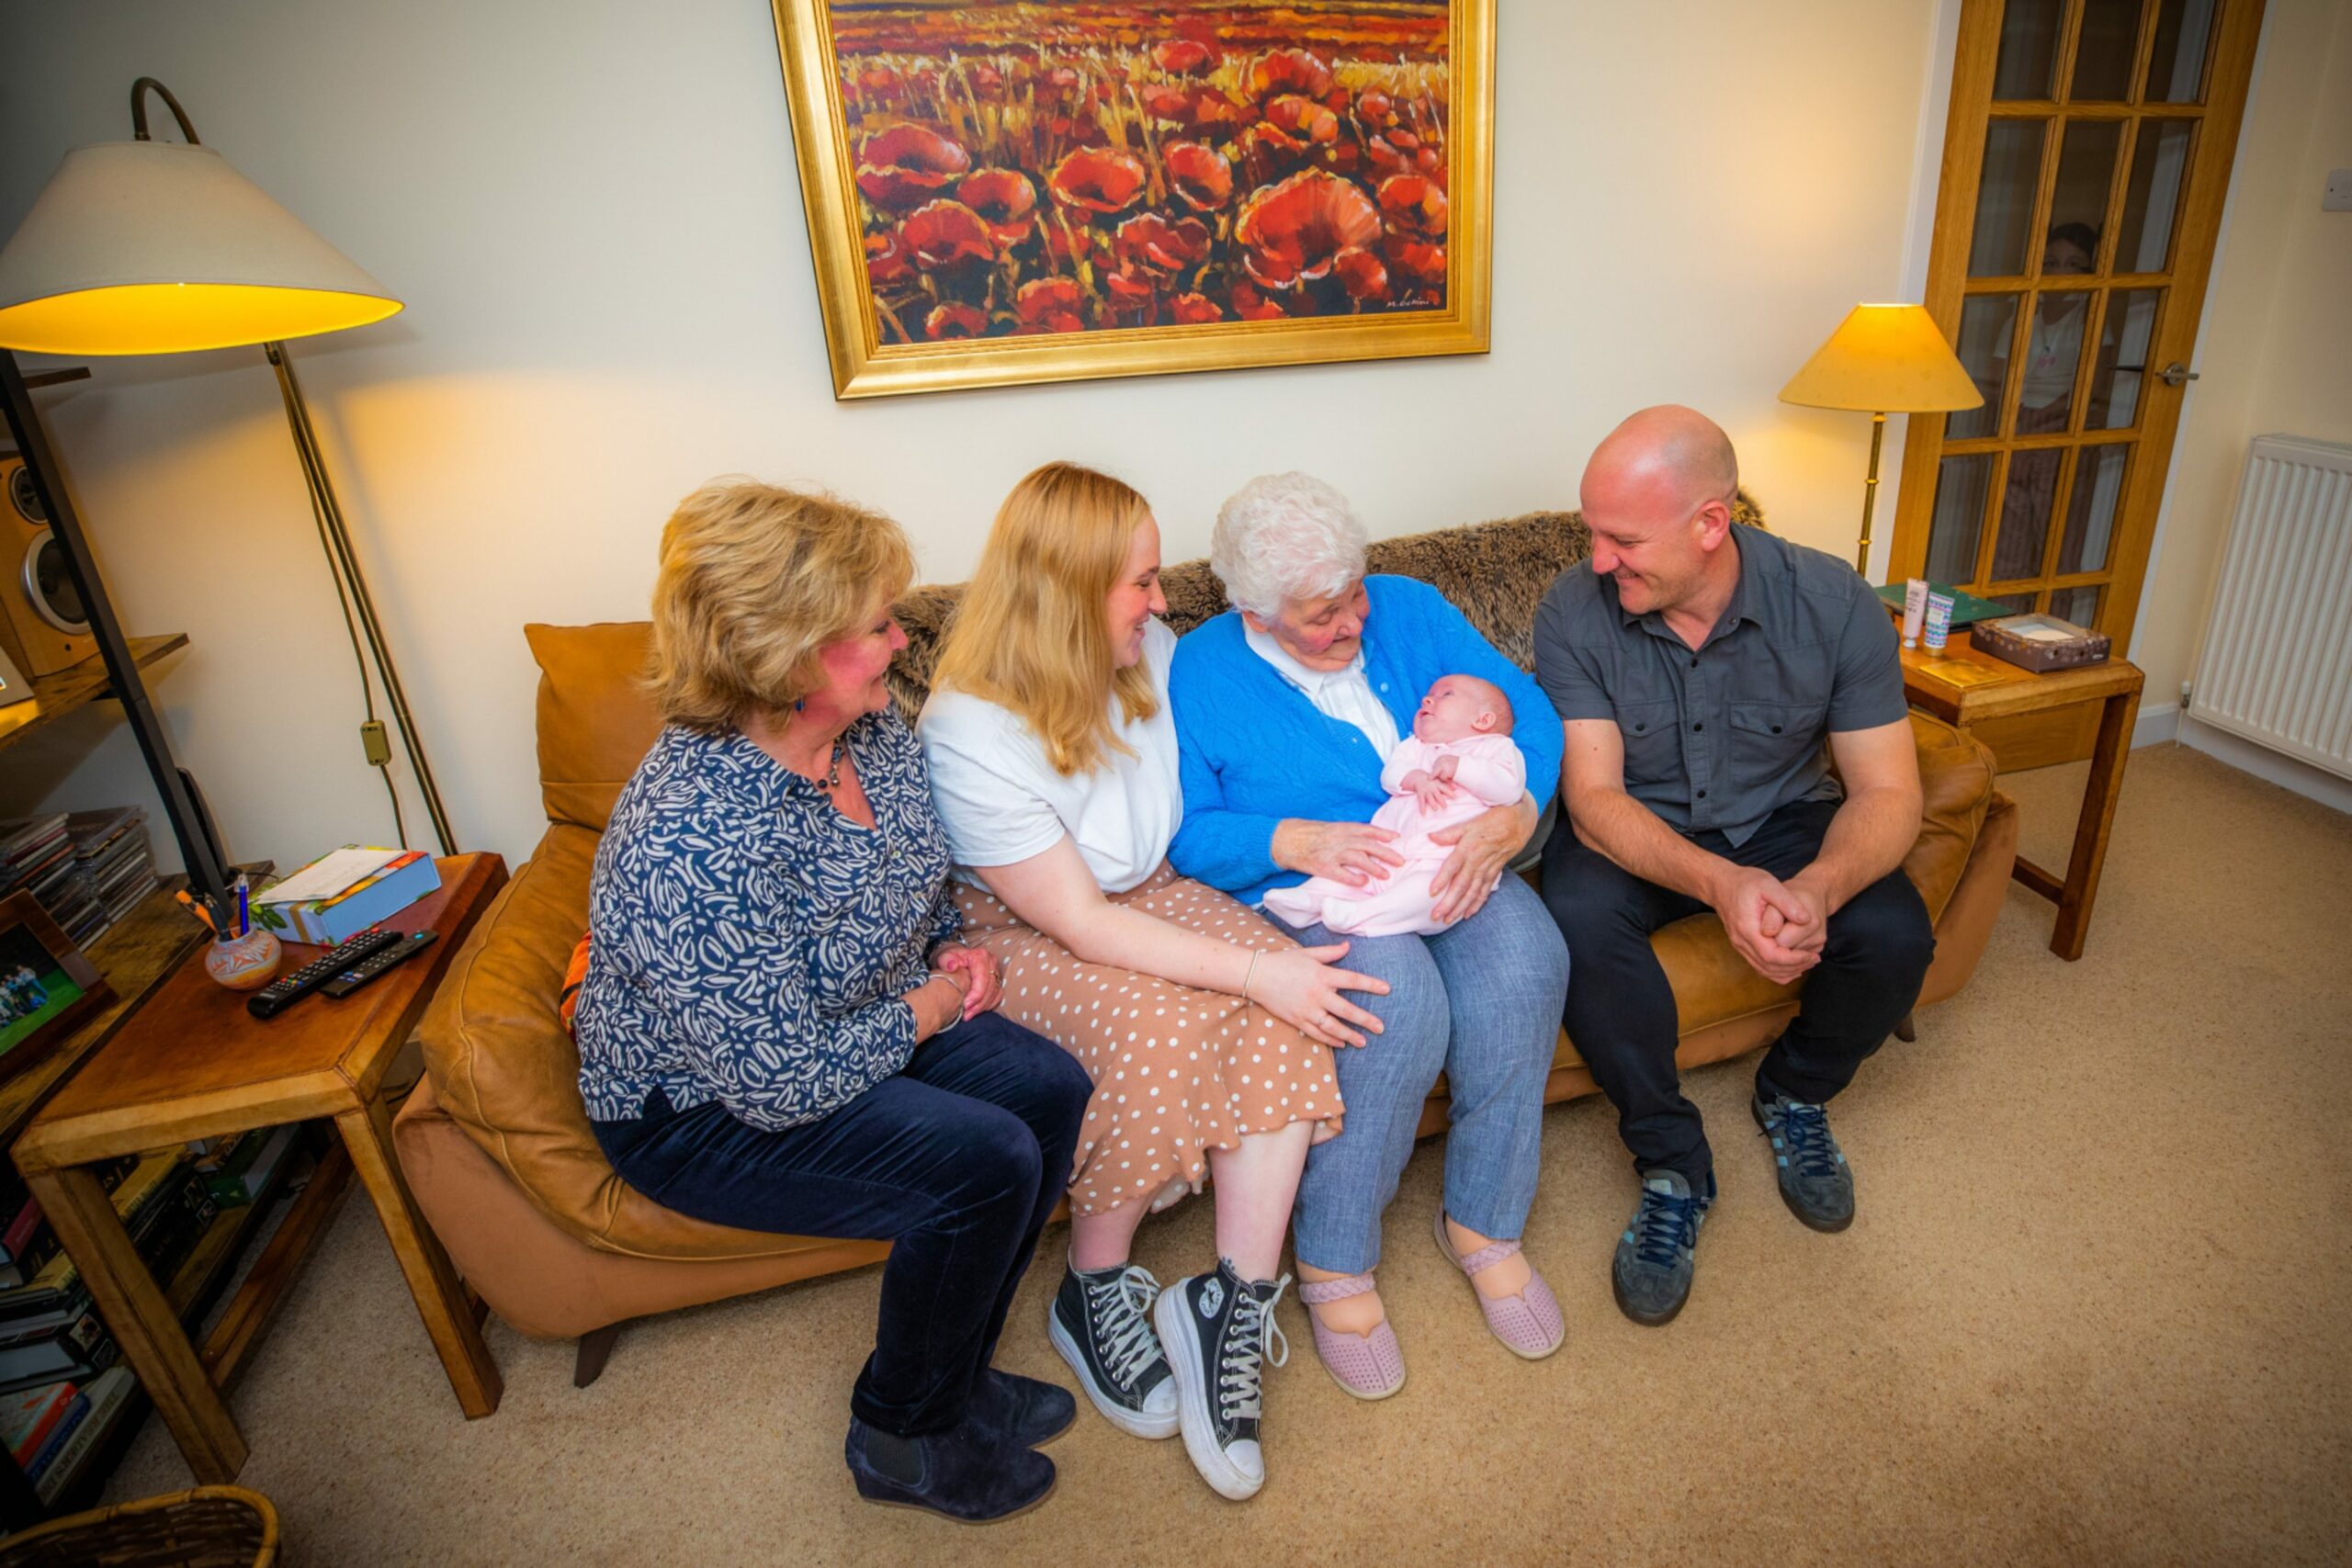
(495, 1142)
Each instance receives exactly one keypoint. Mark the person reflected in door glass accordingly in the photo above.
(2045, 397)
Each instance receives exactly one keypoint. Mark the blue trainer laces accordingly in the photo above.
(1666, 1225)
(1812, 1152)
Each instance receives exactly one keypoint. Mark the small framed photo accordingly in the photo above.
(47, 984)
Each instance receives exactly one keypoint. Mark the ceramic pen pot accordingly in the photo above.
(244, 963)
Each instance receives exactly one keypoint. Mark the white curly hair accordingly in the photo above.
(1285, 537)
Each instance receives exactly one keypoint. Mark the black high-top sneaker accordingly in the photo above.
(1096, 1322)
(1219, 1332)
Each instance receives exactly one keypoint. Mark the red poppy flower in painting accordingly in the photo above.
(1098, 179)
(1375, 108)
(906, 164)
(984, 78)
(1153, 244)
(1050, 305)
(1291, 232)
(886, 260)
(1194, 310)
(1253, 306)
(1361, 274)
(1287, 71)
(1420, 264)
(1184, 57)
(1197, 109)
(1005, 200)
(1200, 176)
(943, 235)
(1413, 204)
(1384, 156)
(954, 321)
(1135, 299)
(881, 84)
(1302, 119)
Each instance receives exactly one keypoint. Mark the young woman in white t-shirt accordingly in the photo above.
(1207, 1033)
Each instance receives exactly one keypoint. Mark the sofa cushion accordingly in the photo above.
(596, 724)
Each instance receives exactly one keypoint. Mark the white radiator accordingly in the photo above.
(2278, 662)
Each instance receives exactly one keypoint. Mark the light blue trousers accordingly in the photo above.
(1481, 1001)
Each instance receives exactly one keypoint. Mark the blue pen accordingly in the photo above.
(244, 924)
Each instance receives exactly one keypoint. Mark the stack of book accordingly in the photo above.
(51, 1430)
(86, 869)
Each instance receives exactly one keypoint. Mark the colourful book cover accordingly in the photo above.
(28, 1418)
(341, 915)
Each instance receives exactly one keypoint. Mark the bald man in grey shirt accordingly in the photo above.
(1706, 672)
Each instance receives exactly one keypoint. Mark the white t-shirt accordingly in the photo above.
(1001, 801)
(1344, 695)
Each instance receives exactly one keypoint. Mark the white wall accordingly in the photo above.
(2273, 351)
(590, 210)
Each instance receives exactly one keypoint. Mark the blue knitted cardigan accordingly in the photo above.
(1254, 750)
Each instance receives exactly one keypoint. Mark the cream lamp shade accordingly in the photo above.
(155, 247)
(1884, 358)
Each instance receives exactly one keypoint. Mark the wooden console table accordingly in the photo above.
(191, 1062)
(2011, 690)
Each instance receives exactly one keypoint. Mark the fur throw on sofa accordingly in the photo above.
(1496, 573)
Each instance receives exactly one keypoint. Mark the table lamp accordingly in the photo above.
(154, 247)
(1883, 359)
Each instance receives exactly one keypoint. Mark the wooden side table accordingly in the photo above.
(191, 1062)
(2004, 691)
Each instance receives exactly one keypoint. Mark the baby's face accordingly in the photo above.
(1455, 708)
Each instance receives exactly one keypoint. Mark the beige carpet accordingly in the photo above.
(2093, 1310)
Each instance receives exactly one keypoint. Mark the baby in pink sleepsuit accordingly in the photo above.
(1458, 762)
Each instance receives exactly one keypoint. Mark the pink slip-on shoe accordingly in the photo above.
(1529, 1323)
(1370, 1366)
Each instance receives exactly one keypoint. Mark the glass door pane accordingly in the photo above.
(2152, 197)
(2027, 497)
(2103, 50)
(2005, 198)
(2123, 368)
(1987, 327)
(2090, 511)
(2085, 173)
(2176, 66)
(2027, 66)
(2053, 352)
(1962, 485)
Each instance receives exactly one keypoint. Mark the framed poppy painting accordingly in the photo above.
(1004, 191)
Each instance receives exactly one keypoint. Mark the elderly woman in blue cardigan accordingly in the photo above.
(1287, 707)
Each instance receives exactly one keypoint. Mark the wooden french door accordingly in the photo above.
(2085, 164)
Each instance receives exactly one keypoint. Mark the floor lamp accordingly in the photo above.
(155, 247)
(1883, 359)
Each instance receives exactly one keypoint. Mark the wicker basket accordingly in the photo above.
(212, 1527)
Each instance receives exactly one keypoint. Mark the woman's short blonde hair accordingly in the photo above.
(754, 580)
(1032, 633)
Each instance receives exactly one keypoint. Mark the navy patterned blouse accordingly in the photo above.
(749, 943)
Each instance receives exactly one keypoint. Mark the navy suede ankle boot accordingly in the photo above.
(966, 1473)
(1026, 1411)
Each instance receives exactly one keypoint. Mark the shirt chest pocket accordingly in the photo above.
(1653, 741)
(1769, 740)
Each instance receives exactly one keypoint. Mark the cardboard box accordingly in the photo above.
(345, 915)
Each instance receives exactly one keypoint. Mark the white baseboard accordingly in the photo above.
(2156, 724)
(2288, 772)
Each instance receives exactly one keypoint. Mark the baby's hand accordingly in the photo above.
(1446, 767)
(1429, 791)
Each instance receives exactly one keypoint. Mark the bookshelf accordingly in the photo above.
(55, 696)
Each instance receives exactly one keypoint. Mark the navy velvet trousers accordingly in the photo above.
(958, 1161)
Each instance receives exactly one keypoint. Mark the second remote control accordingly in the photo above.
(367, 969)
(287, 989)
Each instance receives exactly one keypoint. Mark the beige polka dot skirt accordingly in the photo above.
(1177, 1071)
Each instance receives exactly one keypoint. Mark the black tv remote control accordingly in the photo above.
(367, 969)
(287, 989)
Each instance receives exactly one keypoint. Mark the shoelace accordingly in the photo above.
(1250, 1337)
(1812, 1151)
(1124, 1335)
(1664, 1225)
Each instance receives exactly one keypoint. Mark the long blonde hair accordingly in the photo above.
(754, 580)
(1032, 632)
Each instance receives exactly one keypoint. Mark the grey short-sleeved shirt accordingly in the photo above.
(1722, 737)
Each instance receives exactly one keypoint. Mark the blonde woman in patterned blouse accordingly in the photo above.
(778, 1029)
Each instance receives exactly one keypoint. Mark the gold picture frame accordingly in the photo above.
(1058, 290)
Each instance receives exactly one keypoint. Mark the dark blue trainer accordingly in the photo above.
(1652, 1271)
(1815, 1180)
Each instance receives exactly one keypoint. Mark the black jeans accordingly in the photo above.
(958, 1161)
(1621, 1014)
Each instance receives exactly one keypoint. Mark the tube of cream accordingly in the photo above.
(1915, 609)
(1938, 627)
